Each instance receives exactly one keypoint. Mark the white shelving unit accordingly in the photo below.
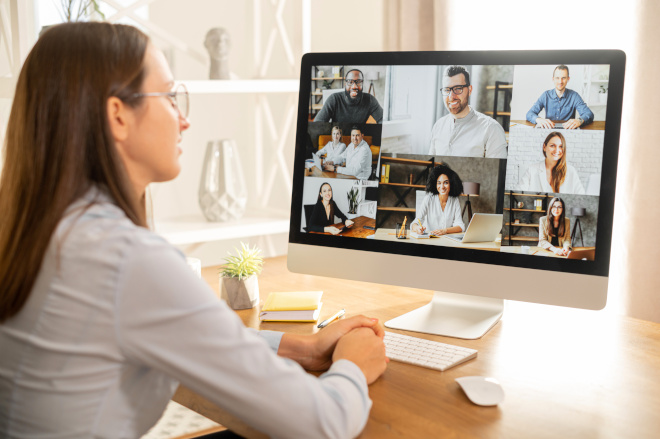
(232, 86)
(594, 78)
(16, 39)
(194, 229)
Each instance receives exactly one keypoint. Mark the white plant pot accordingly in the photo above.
(351, 216)
(240, 294)
(602, 98)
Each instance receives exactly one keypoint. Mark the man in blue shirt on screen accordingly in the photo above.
(560, 104)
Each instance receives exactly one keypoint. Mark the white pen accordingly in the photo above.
(327, 321)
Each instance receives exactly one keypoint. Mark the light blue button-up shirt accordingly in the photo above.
(116, 320)
(560, 108)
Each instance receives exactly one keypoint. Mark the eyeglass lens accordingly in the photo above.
(458, 89)
(354, 81)
(182, 100)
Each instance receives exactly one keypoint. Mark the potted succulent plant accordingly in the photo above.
(238, 277)
(602, 94)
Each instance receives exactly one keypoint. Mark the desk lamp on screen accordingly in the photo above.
(528, 127)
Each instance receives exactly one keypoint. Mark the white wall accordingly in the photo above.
(531, 81)
(413, 102)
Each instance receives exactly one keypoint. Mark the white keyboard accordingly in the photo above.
(425, 353)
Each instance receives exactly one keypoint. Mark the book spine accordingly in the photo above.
(385, 173)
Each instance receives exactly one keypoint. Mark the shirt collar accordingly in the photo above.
(471, 115)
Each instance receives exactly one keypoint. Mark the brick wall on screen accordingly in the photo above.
(584, 150)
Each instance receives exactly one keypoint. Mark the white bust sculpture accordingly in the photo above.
(217, 43)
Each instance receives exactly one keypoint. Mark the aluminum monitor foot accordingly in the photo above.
(452, 315)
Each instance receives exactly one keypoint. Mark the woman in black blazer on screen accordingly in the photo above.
(325, 210)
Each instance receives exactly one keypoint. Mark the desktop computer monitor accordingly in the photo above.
(398, 154)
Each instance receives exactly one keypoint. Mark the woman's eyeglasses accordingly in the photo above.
(178, 97)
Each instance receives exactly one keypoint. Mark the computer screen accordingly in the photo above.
(481, 175)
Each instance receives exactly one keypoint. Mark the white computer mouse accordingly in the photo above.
(482, 390)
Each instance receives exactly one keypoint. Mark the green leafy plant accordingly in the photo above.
(245, 263)
(602, 89)
(74, 10)
(353, 200)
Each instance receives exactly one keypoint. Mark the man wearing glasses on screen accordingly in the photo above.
(560, 103)
(353, 105)
(465, 132)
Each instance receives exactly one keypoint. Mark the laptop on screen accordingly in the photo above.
(484, 227)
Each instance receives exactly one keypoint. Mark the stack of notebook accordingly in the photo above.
(300, 306)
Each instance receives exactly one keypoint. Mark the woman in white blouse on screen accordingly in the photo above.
(440, 213)
(333, 149)
(553, 174)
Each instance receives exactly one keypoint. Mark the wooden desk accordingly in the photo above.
(316, 172)
(533, 250)
(566, 373)
(595, 125)
(357, 230)
(442, 241)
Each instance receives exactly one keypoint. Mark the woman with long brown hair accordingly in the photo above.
(555, 229)
(553, 174)
(100, 318)
(324, 213)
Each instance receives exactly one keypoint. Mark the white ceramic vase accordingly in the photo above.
(240, 294)
(222, 189)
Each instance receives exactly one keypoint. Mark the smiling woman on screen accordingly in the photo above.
(553, 174)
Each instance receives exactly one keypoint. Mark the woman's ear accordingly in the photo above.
(118, 116)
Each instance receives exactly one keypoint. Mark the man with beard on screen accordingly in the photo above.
(353, 105)
(465, 132)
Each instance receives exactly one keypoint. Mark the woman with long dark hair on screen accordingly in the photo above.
(440, 213)
(555, 229)
(553, 174)
(101, 319)
(325, 211)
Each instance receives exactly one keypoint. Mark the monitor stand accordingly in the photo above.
(452, 315)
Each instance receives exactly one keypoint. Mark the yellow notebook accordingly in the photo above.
(299, 306)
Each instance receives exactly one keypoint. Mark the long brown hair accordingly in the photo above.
(550, 219)
(558, 174)
(332, 202)
(58, 142)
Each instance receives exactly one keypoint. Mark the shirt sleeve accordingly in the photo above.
(338, 213)
(458, 217)
(585, 112)
(171, 321)
(317, 220)
(359, 165)
(423, 212)
(533, 112)
(341, 158)
(377, 111)
(323, 150)
(567, 235)
(496, 147)
(340, 149)
(327, 112)
(543, 237)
